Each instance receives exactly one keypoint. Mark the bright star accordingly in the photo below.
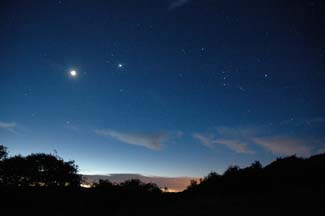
(120, 65)
(73, 73)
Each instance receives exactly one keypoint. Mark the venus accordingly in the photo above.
(73, 73)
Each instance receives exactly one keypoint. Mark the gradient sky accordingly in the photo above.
(166, 88)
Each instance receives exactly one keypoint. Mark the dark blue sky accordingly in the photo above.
(168, 88)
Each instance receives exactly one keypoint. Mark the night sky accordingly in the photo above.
(165, 88)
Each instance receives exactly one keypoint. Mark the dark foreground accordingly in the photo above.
(63, 202)
(42, 184)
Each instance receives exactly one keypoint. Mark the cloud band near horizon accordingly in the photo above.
(242, 140)
(151, 141)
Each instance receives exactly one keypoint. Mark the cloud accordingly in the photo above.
(238, 146)
(239, 132)
(284, 145)
(177, 4)
(179, 134)
(5, 125)
(211, 141)
(151, 141)
(243, 139)
(9, 126)
(71, 127)
(205, 140)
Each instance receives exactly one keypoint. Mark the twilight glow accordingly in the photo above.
(162, 88)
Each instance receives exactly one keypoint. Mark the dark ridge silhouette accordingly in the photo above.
(48, 184)
(284, 174)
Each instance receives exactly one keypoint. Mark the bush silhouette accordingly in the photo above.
(43, 181)
(39, 170)
(103, 185)
(3, 152)
(284, 174)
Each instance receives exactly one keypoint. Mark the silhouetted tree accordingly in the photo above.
(135, 185)
(132, 185)
(49, 170)
(38, 170)
(3, 152)
(256, 165)
(3, 155)
(152, 188)
(15, 171)
(104, 185)
(193, 185)
(232, 171)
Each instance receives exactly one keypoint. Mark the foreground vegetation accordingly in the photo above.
(46, 184)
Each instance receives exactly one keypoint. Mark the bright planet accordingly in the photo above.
(73, 73)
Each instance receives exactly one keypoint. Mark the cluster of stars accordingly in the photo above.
(28, 92)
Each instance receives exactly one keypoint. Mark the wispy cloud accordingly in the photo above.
(210, 141)
(285, 145)
(9, 126)
(205, 139)
(243, 139)
(71, 127)
(236, 145)
(177, 4)
(151, 141)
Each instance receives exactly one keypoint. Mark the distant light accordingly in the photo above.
(73, 73)
(85, 185)
(119, 65)
(266, 75)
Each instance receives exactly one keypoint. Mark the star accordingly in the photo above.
(119, 65)
(266, 75)
(241, 88)
(73, 73)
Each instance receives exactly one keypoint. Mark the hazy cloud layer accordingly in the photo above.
(9, 126)
(284, 145)
(177, 4)
(210, 141)
(242, 140)
(149, 140)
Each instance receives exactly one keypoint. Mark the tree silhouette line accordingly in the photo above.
(37, 170)
(283, 174)
(47, 170)
(46, 181)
